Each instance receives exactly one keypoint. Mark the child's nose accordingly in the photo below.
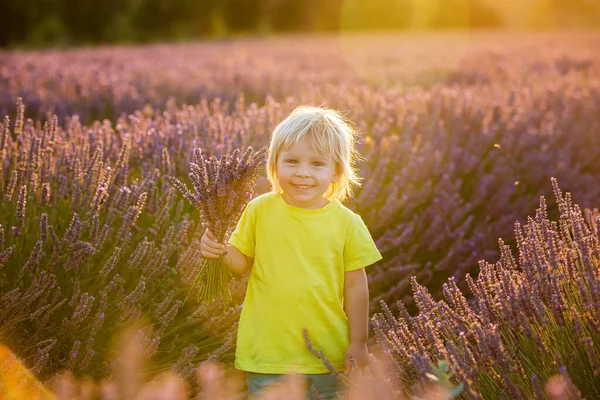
(303, 170)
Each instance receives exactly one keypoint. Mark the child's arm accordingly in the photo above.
(237, 261)
(356, 304)
(234, 259)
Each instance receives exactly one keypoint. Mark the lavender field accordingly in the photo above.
(488, 263)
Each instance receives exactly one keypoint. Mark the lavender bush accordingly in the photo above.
(88, 243)
(525, 320)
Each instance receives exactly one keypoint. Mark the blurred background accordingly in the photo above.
(59, 23)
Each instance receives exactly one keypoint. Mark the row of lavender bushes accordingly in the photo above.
(526, 318)
(449, 170)
(52, 274)
(530, 329)
(98, 83)
(89, 242)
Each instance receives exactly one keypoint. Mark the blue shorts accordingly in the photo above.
(327, 385)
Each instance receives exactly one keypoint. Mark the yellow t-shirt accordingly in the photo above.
(297, 282)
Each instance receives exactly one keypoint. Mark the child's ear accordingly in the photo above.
(337, 175)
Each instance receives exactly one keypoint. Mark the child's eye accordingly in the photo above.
(318, 164)
(290, 161)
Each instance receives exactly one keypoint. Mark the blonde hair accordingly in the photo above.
(329, 133)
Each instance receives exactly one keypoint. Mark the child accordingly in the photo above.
(306, 255)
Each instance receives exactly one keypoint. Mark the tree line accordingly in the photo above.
(38, 23)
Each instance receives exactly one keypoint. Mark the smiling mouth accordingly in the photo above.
(303, 186)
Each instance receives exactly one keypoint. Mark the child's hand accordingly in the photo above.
(210, 247)
(358, 352)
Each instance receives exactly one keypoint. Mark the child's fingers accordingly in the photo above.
(210, 253)
(211, 244)
(211, 235)
(212, 239)
(211, 248)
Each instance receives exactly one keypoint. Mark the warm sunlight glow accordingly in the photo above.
(427, 14)
(411, 14)
(383, 60)
(445, 14)
(17, 382)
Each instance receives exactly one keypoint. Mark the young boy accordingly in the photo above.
(306, 255)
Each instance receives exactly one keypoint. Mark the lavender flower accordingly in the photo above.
(222, 190)
(21, 206)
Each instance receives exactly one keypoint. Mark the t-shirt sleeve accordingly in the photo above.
(244, 236)
(359, 249)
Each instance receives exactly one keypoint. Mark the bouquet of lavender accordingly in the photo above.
(223, 187)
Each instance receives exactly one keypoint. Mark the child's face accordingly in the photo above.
(304, 175)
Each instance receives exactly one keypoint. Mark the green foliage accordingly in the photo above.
(66, 22)
(441, 376)
(51, 30)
